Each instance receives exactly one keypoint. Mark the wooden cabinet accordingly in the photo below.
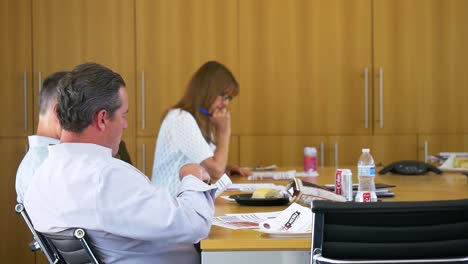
(401, 63)
(17, 122)
(420, 59)
(280, 150)
(444, 101)
(174, 38)
(308, 70)
(14, 231)
(430, 144)
(15, 68)
(338, 151)
(385, 149)
(145, 155)
(66, 34)
(304, 66)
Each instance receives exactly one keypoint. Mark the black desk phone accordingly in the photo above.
(409, 167)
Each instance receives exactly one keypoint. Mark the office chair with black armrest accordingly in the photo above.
(70, 246)
(390, 232)
(39, 242)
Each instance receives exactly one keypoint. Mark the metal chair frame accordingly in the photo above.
(46, 241)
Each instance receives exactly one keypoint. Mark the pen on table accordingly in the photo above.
(204, 111)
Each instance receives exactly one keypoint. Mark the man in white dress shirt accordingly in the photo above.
(128, 219)
(48, 133)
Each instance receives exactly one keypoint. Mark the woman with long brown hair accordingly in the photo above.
(198, 128)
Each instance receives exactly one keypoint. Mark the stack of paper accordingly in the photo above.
(280, 175)
(381, 189)
(243, 221)
(251, 187)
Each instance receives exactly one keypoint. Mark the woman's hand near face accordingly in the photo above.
(216, 165)
(221, 119)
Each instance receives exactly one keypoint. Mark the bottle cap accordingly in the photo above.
(365, 150)
(310, 151)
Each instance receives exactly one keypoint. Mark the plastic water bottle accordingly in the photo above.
(310, 159)
(366, 176)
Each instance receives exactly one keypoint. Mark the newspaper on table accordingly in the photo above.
(243, 221)
(251, 187)
(280, 175)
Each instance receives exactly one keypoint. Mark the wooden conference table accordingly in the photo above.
(248, 246)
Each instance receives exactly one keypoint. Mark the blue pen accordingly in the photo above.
(204, 111)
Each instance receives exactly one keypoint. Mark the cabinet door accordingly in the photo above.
(384, 149)
(444, 101)
(302, 64)
(174, 38)
(15, 68)
(145, 155)
(283, 151)
(401, 52)
(420, 60)
(434, 144)
(68, 33)
(14, 231)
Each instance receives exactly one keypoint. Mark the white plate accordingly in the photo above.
(286, 234)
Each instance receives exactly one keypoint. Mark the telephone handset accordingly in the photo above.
(409, 167)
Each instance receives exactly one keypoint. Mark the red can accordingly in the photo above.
(338, 181)
(344, 183)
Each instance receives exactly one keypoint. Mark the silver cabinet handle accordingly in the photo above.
(25, 100)
(322, 161)
(336, 155)
(143, 106)
(366, 97)
(143, 158)
(381, 82)
(39, 81)
(426, 150)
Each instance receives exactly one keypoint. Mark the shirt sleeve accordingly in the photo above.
(129, 205)
(189, 139)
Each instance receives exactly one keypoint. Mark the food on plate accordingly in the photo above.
(460, 162)
(263, 193)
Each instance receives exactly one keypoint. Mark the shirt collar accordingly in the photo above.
(77, 148)
(41, 141)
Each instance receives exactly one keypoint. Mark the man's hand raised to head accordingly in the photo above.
(194, 170)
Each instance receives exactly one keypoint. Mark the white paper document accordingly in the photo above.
(251, 187)
(296, 219)
(243, 221)
(222, 184)
(279, 175)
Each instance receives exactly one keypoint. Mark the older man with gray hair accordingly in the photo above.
(80, 184)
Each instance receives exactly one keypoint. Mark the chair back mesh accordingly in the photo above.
(391, 230)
